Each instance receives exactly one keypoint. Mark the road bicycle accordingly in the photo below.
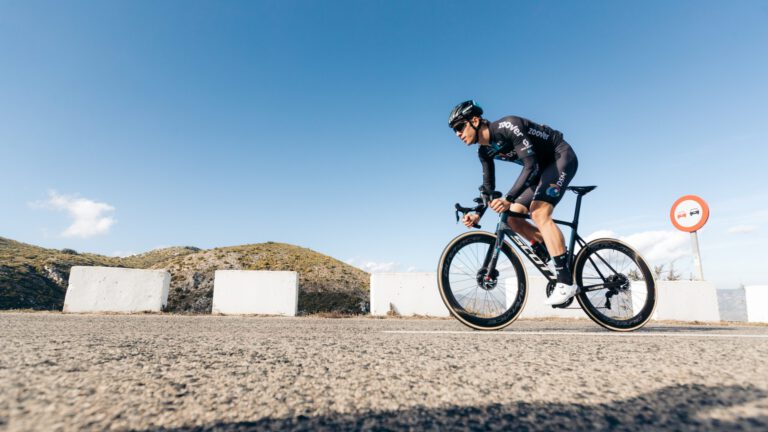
(484, 283)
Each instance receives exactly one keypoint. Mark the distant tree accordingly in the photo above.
(634, 275)
(69, 251)
(658, 270)
(672, 275)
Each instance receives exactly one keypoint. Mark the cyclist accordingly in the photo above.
(549, 164)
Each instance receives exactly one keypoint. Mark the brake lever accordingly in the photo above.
(463, 211)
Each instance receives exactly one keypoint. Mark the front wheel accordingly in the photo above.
(617, 289)
(478, 298)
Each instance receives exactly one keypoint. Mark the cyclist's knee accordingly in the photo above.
(542, 213)
(539, 218)
(518, 208)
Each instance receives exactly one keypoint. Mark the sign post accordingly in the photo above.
(689, 214)
(697, 256)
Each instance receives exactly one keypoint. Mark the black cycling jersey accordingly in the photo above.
(536, 147)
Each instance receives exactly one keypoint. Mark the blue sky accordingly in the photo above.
(127, 126)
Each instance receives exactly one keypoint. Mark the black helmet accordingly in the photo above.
(464, 111)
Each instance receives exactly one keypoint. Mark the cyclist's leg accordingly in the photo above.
(541, 213)
(554, 180)
(552, 185)
(520, 225)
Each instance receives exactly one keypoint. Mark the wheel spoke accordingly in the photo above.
(490, 303)
(615, 285)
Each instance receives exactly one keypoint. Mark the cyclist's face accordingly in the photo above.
(465, 132)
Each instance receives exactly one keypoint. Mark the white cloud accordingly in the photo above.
(660, 245)
(89, 218)
(742, 229)
(378, 267)
(372, 266)
(122, 254)
(600, 234)
(654, 246)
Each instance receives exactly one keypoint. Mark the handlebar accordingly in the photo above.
(462, 211)
(482, 204)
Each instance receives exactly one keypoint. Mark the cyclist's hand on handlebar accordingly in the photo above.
(470, 219)
(500, 205)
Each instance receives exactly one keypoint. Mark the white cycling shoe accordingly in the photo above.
(561, 294)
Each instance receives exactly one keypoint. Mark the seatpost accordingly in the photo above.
(575, 226)
(578, 209)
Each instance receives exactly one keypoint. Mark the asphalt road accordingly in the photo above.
(171, 372)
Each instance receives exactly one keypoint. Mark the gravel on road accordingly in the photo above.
(175, 372)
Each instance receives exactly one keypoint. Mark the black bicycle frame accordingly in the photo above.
(503, 229)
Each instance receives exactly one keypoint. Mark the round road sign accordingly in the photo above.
(689, 213)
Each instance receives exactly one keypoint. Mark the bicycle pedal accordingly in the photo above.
(563, 305)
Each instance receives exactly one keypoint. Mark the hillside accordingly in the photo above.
(32, 277)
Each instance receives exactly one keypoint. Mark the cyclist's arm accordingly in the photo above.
(489, 171)
(530, 173)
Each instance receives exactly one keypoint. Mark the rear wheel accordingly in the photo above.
(617, 289)
(478, 299)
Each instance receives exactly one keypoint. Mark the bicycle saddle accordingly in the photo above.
(581, 190)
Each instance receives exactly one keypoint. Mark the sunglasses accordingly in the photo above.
(460, 127)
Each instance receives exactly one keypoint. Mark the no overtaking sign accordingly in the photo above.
(689, 213)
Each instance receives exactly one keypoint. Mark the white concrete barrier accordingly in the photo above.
(407, 293)
(686, 301)
(243, 292)
(732, 304)
(675, 300)
(757, 303)
(417, 294)
(110, 289)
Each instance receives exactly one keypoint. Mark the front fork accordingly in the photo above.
(489, 264)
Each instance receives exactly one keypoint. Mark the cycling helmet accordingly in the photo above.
(464, 111)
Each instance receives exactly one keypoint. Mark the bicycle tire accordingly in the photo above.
(450, 289)
(614, 264)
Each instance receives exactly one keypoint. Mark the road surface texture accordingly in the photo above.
(174, 372)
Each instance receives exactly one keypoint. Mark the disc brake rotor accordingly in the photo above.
(487, 282)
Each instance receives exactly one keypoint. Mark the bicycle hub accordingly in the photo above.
(487, 281)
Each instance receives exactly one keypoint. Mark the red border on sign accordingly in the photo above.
(704, 216)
